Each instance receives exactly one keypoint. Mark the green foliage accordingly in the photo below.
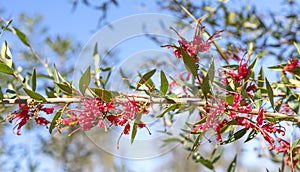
(85, 80)
(145, 78)
(164, 83)
(34, 95)
(189, 63)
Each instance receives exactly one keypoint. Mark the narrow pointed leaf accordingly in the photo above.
(6, 69)
(251, 135)
(1, 94)
(261, 77)
(164, 83)
(145, 78)
(239, 134)
(34, 95)
(135, 127)
(170, 108)
(6, 54)
(252, 65)
(22, 37)
(33, 79)
(270, 93)
(232, 165)
(189, 63)
(85, 80)
(65, 88)
(57, 116)
(206, 163)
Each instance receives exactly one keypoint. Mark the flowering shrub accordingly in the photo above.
(248, 101)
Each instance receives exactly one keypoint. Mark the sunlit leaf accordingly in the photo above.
(6, 69)
(22, 37)
(11, 94)
(85, 80)
(164, 83)
(297, 47)
(145, 78)
(252, 65)
(6, 54)
(34, 95)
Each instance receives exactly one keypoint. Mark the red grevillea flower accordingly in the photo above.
(242, 73)
(236, 101)
(26, 113)
(260, 116)
(293, 63)
(195, 46)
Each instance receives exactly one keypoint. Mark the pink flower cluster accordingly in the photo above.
(95, 112)
(195, 46)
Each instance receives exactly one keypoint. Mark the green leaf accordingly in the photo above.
(5, 27)
(134, 131)
(208, 78)
(164, 83)
(135, 127)
(261, 77)
(22, 37)
(33, 80)
(50, 92)
(170, 108)
(145, 78)
(6, 54)
(205, 86)
(57, 116)
(56, 79)
(1, 94)
(65, 88)
(298, 49)
(34, 95)
(6, 69)
(235, 136)
(252, 65)
(206, 163)
(277, 67)
(258, 98)
(105, 95)
(11, 94)
(251, 135)
(189, 63)
(270, 93)
(232, 165)
(85, 80)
